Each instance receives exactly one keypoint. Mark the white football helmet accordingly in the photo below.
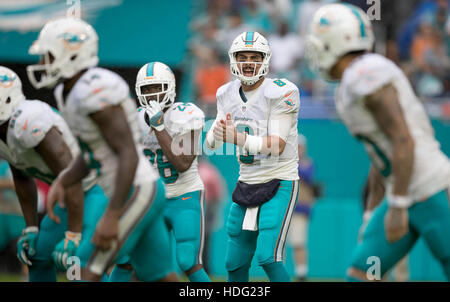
(67, 46)
(336, 30)
(156, 73)
(11, 94)
(250, 41)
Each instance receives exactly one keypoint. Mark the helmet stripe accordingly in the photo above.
(361, 23)
(249, 38)
(150, 68)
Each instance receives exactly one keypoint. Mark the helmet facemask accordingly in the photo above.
(319, 57)
(45, 74)
(166, 95)
(238, 68)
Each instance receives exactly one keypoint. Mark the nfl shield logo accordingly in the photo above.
(244, 108)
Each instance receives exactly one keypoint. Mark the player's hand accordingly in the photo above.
(26, 245)
(156, 115)
(66, 248)
(55, 194)
(225, 130)
(107, 232)
(396, 223)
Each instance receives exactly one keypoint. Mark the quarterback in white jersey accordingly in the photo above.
(171, 133)
(37, 143)
(100, 112)
(258, 115)
(378, 105)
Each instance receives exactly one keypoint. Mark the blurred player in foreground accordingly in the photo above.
(258, 115)
(378, 105)
(97, 106)
(37, 143)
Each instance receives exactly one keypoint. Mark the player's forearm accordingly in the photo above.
(74, 173)
(27, 195)
(180, 162)
(402, 165)
(126, 170)
(74, 201)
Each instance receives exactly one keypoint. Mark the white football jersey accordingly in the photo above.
(367, 74)
(27, 127)
(252, 114)
(179, 119)
(96, 89)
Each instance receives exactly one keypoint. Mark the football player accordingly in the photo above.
(96, 104)
(171, 134)
(37, 143)
(258, 115)
(378, 105)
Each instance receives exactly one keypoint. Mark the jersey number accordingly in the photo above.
(162, 165)
(244, 156)
(183, 106)
(279, 83)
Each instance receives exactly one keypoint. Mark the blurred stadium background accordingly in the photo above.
(193, 37)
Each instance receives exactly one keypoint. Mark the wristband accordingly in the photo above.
(30, 229)
(75, 237)
(253, 144)
(398, 201)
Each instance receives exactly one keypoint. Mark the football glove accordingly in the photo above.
(155, 116)
(26, 245)
(65, 249)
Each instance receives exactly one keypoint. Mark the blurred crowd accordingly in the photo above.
(413, 33)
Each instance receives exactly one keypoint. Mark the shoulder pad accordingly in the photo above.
(97, 80)
(279, 88)
(367, 74)
(185, 117)
(225, 88)
(30, 123)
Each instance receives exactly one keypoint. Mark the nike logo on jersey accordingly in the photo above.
(98, 90)
(186, 198)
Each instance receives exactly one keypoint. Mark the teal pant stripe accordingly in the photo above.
(286, 222)
(150, 67)
(249, 38)
(202, 227)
